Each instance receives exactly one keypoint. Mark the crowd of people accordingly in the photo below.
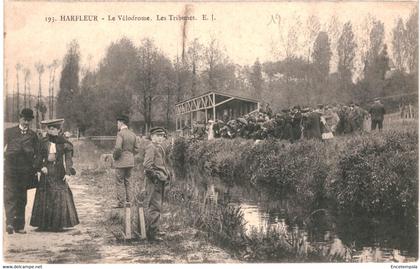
(321, 122)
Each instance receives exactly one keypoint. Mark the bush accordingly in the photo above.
(368, 182)
(376, 191)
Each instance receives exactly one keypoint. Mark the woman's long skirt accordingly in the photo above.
(54, 207)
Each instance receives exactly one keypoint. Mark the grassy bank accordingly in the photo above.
(367, 183)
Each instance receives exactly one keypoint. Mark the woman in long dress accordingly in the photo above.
(54, 207)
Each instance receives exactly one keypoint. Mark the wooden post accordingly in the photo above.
(142, 223)
(295, 234)
(127, 221)
(214, 107)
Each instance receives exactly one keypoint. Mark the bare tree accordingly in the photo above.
(334, 31)
(313, 26)
(293, 37)
(194, 59)
(212, 57)
(18, 67)
(27, 74)
(51, 83)
(398, 34)
(6, 93)
(153, 72)
(55, 66)
(40, 69)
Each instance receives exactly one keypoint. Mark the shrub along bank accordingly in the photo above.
(367, 183)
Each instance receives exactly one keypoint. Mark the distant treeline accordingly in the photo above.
(143, 82)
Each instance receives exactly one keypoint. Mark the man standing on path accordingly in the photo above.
(377, 112)
(21, 163)
(158, 176)
(126, 146)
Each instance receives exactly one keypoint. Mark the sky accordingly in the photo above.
(246, 31)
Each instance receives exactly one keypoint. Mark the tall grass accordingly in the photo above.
(367, 182)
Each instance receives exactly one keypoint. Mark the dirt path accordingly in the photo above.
(90, 243)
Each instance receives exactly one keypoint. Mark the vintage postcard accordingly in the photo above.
(210, 132)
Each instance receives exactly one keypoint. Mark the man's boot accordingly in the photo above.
(10, 229)
(20, 231)
(152, 237)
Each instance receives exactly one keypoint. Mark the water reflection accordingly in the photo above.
(257, 218)
(262, 214)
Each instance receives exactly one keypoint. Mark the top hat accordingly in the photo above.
(27, 113)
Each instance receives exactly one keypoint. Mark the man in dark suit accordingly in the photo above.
(126, 146)
(377, 112)
(21, 163)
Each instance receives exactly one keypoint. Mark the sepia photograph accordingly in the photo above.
(281, 132)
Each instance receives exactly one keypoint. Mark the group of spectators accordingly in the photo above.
(321, 122)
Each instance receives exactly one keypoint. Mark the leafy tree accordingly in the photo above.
(346, 50)
(321, 58)
(116, 83)
(376, 41)
(398, 35)
(154, 75)
(411, 45)
(69, 85)
(256, 79)
(88, 119)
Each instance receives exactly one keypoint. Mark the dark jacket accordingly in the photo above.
(312, 126)
(22, 150)
(155, 164)
(377, 111)
(64, 155)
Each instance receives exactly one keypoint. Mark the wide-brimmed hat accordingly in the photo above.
(53, 123)
(27, 113)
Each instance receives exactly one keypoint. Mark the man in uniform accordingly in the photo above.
(126, 146)
(157, 177)
(21, 163)
(377, 112)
